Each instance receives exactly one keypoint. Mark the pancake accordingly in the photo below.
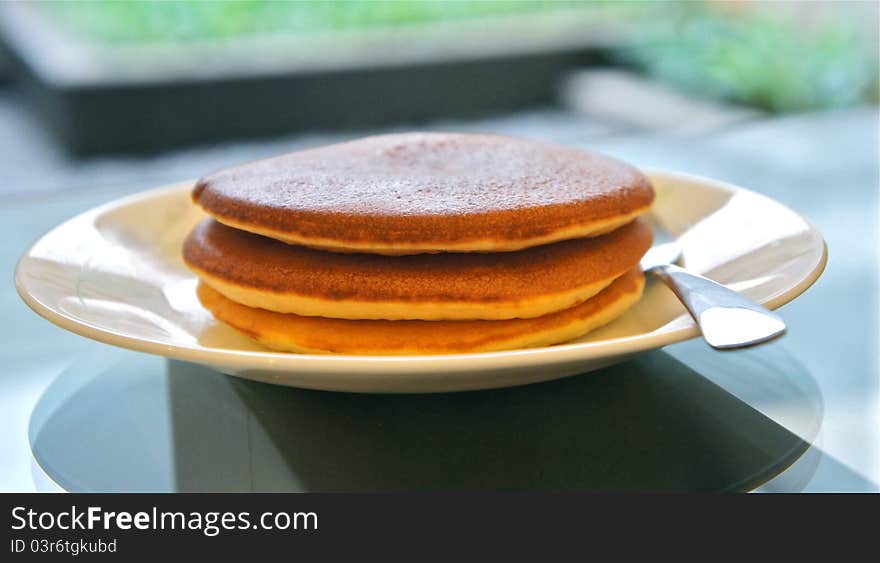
(295, 333)
(261, 272)
(428, 192)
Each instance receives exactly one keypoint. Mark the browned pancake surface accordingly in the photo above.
(431, 189)
(253, 261)
(290, 332)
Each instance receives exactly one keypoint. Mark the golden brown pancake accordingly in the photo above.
(428, 192)
(261, 272)
(295, 333)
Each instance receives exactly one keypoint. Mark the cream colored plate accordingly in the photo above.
(115, 274)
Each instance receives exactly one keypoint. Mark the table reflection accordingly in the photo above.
(127, 421)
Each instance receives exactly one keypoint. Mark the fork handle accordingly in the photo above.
(726, 318)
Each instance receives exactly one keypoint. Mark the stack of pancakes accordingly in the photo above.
(421, 243)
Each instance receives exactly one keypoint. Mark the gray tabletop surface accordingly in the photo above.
(824, 166)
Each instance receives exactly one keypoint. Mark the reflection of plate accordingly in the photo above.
(115, 274)
(145, 424)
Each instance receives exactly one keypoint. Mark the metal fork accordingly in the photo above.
(726, 318)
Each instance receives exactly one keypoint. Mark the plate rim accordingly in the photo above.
(390, 366)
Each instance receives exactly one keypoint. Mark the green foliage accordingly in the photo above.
(755, 56)
(141, 21)
(763, 59)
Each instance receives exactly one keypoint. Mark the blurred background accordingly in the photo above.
(142, 92)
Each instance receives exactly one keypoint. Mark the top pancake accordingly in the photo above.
(428, 192)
